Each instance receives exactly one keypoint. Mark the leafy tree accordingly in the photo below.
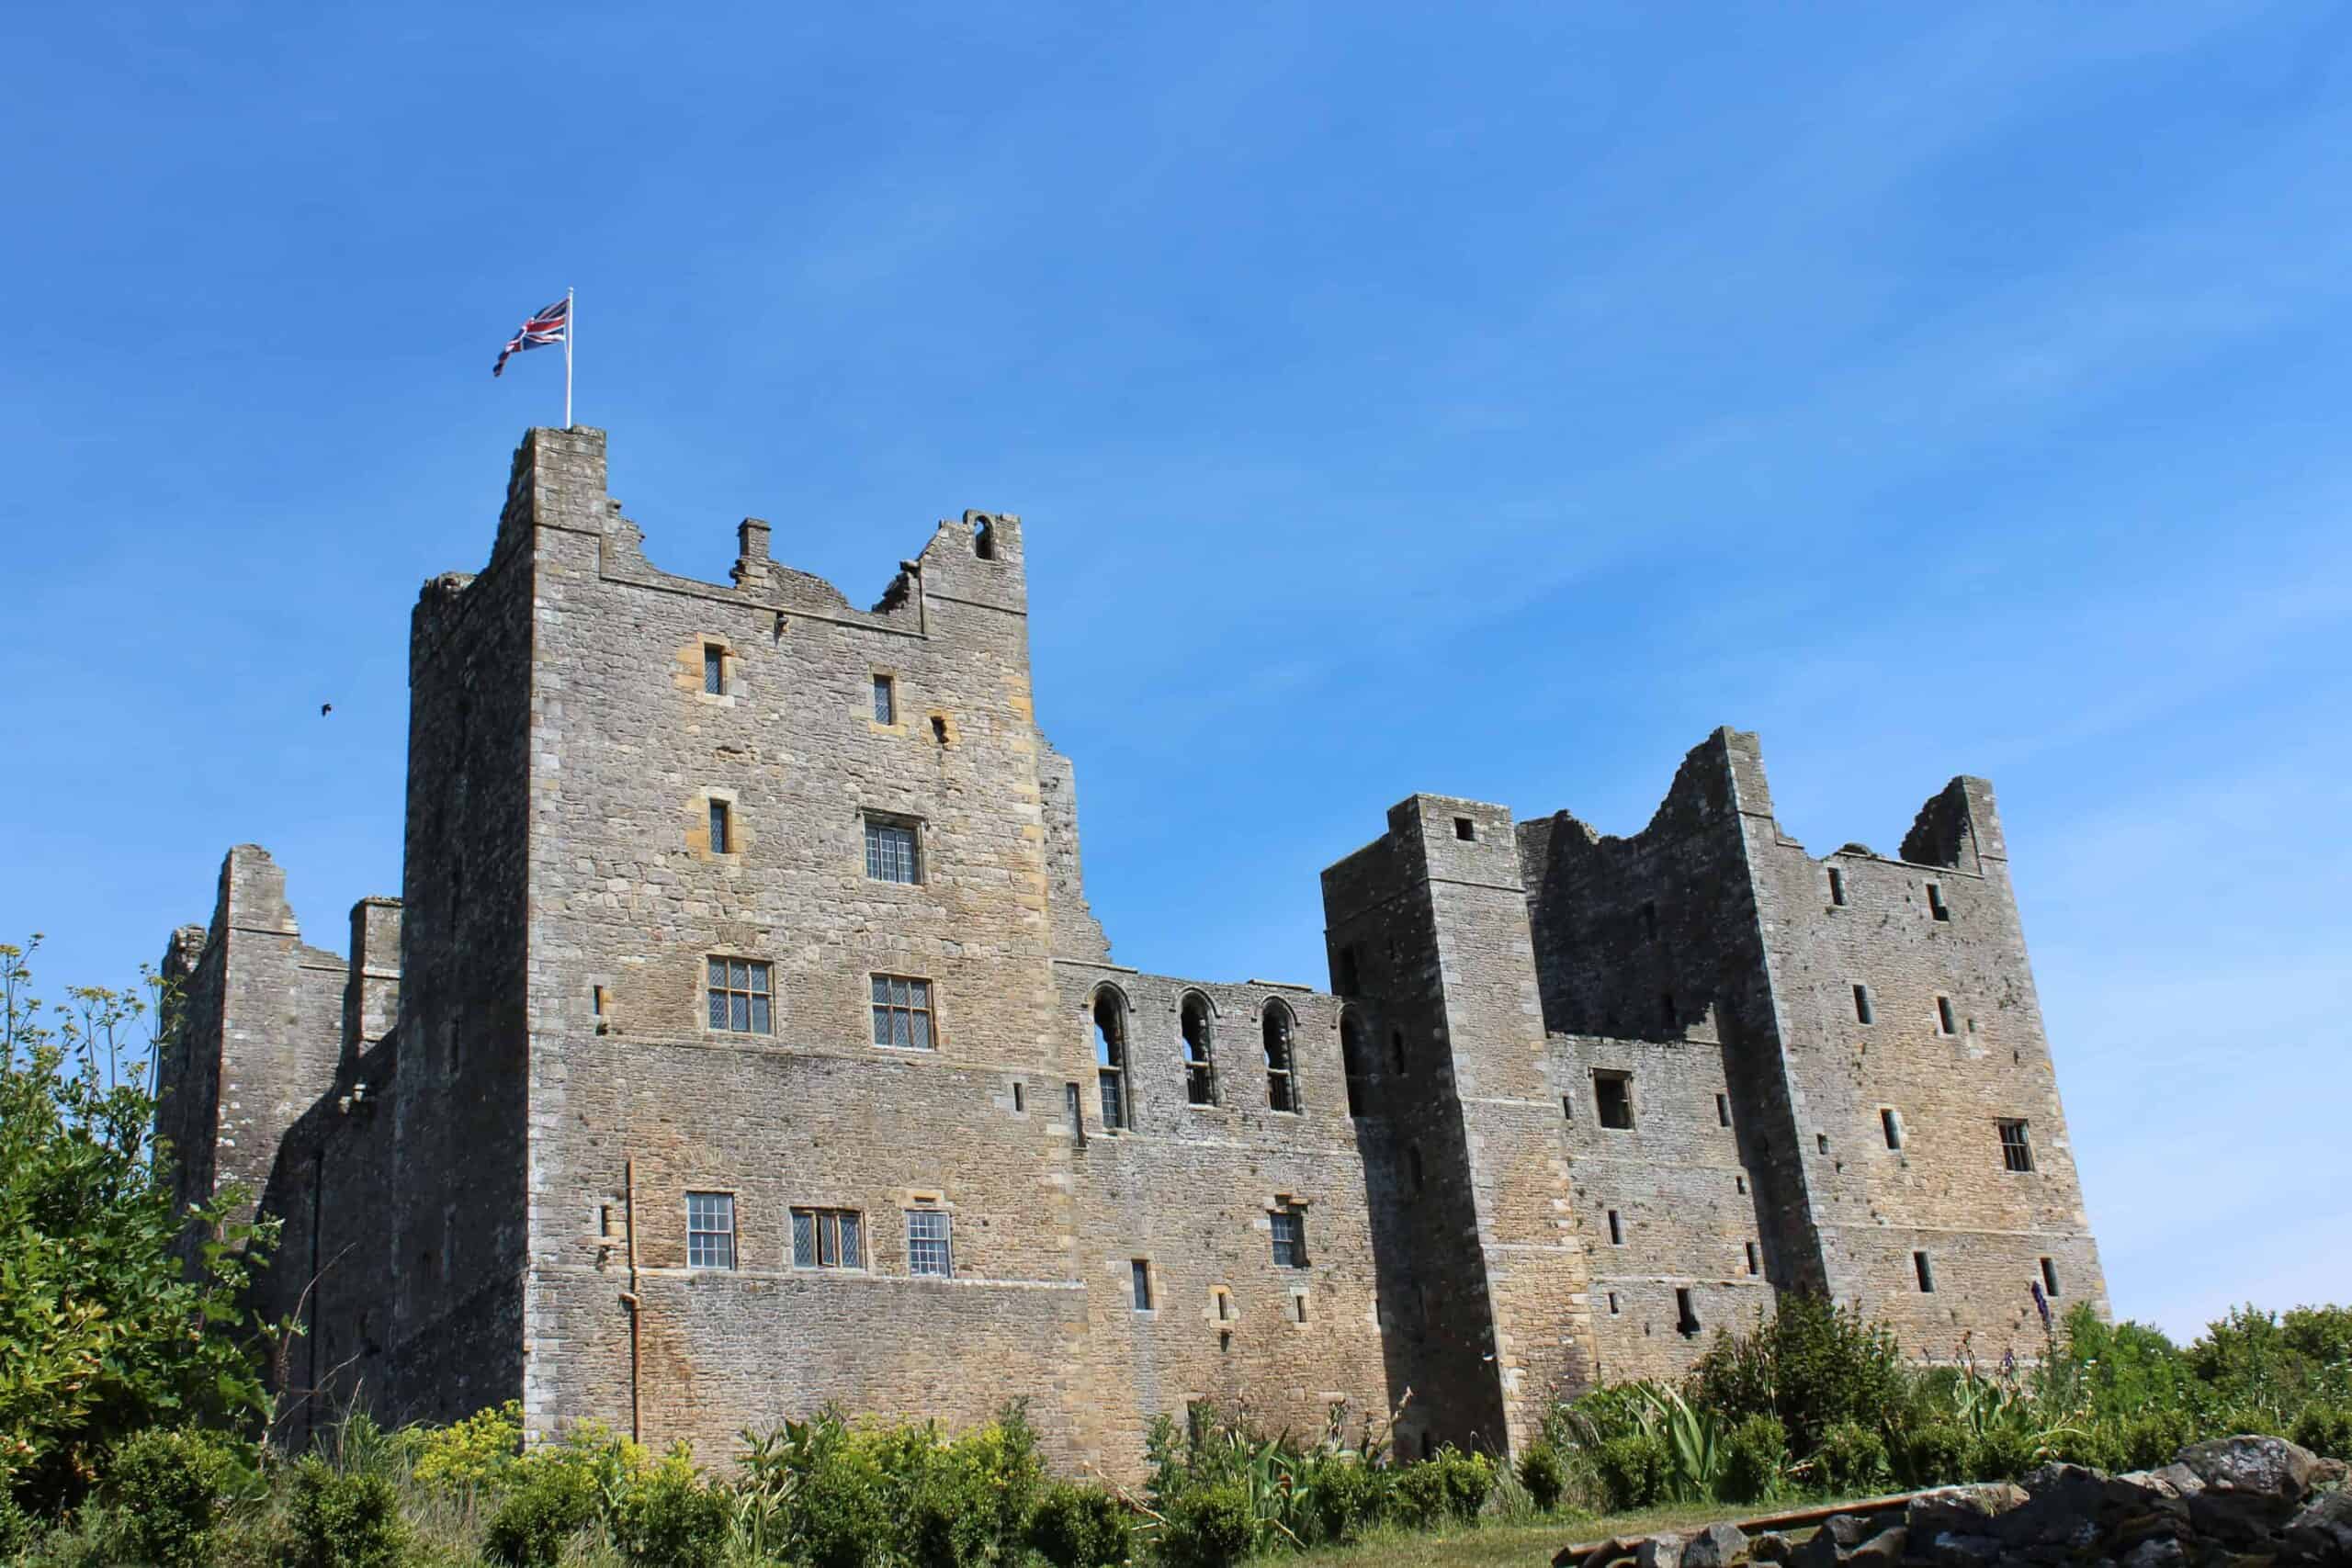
(104, 1330)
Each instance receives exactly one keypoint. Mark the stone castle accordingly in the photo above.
(742, 1042)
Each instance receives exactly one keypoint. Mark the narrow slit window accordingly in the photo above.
(1862, 1004)
(2017, 1147)
(1567, 1108)
(1612, 1095)
(1200, 1062)
(1613, 1308)
(740, 991)
(722, 828)
(1298, 1306)
(2048, 1277)
(1282, 1080)
(1686, 1320)
(1722, 1110)
(1836, 887)
(1413, 1158)
(1111, 1059)
(1937, 908)
(1666, 1012)
(1347, 976)
(1223, 1299)
(885, 700)
(1139, 1274)
(1891, 1123)
(1616, 1229)
(1755, 1264)
(713, 669)
(1926, 1271)
(1945, 1022)
(902, 1015)
(1352, 1064)
(710, 1230)
(1077, 1117)
(1396, 1051)
(1649, 921)
(1020, 1099)
(1821, 1143)
(1739, 1184)
(929, 1247)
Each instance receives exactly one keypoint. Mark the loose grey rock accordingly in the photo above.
(2323, 1531)
(1717, 1546)
(2162, 1551)
(1772, 1546)
(1661, 1551)
(1962, 1510)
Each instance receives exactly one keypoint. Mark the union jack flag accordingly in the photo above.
(549, 323)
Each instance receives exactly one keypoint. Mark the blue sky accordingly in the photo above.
(1482, 400)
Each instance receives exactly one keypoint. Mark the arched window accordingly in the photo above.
(1353, 1063)
(1282, 1080)
(984, 538)
(1200, 1067)
(1111, 1058)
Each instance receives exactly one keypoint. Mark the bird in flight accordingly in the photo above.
(325, 708)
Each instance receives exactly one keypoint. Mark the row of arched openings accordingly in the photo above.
(1196, 1030)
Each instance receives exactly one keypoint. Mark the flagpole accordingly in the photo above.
(570, 326)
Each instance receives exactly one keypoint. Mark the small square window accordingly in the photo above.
(710, 1230)
(1945, 1022)
(713, 669)
(929, 1248)
(2048, 1277)
(1937, 908)
(2017, 1147)
(1862, 1011)
(893, 850)
(722, 828)
(885, 700)
(1139, 1273)
(1612, 1094)
(1890, 1123)
(1290, 1238)
(1926, 1271)
(902, 1012)
(740, 990)
(827, 1238)
(1466, 830)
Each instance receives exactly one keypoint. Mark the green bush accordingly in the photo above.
(168, 1487)
(1935, 1453)
(2097, 1446)
(2149, 1440)
(1633, 1470)
(1753, 1457)
(1209, 1527)
(550, 1497)
(1079, 1527)
(1814, 1364)
(341, 1520)
(1342, 1496)
(2002, 1453)
(1543, 1473)
(668, 1519)
(2325, 1429)
(1850, 1459)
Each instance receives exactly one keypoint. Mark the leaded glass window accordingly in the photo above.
(740, 995)
(902, 1012)
(885, 700)
(827, 1238)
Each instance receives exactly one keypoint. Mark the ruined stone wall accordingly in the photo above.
(1946, 1191)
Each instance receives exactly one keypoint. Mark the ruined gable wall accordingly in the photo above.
(1946, 1191)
